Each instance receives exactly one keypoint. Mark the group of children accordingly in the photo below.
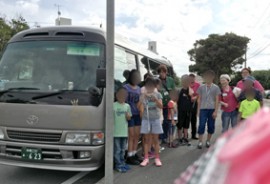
(140, 110)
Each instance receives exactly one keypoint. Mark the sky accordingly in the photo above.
(174, 24)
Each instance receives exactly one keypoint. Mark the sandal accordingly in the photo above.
(145, 162)
(158, 162)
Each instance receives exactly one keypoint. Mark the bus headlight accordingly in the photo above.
(78, 138)
(98, 138)
(1, 134)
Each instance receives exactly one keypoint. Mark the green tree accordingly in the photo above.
(10, 28)
(221, 53)
(176, 79)
(263, 76)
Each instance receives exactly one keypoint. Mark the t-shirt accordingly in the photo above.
(257, 85)
(184, 101)
(120, 120)
(171, 105)
(208, 95)
(151, 110)
(229, 98)
(133, 98)
(170, 85)
(258, 95)
(195, 86)
(248, 108)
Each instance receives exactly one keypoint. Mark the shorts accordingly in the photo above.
(135, 121)
(151, 127)
(206, 118)
(171, 128)
(183, 119)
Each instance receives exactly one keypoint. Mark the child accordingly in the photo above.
(122, 114)
(208, 104)
(249, 106)
(150, 105)
(184, 109)
(134, 124)
(171, 116)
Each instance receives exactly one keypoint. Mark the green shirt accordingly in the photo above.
(169, 83)
(248, 108)
(120, 120)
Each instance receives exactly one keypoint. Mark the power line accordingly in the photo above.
(260, 51)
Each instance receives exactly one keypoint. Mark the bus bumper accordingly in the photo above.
(54, 157)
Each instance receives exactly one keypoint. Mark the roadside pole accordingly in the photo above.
(109, 126)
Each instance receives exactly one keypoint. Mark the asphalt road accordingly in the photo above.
(175, 160)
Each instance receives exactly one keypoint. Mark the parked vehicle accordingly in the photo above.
(52, 105)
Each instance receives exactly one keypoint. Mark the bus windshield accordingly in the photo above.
(49, 66)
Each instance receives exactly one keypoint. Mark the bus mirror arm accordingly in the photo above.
(101, 78)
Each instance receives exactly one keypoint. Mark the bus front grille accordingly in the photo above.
(34, 136)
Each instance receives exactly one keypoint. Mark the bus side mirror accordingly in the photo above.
(101, 78)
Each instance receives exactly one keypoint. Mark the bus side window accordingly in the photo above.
(131, 60)
(143, 65)
(123, 61)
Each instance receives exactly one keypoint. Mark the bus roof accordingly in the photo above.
(81, 33)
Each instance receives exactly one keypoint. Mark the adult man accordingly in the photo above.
(167, 85)
(193, 118)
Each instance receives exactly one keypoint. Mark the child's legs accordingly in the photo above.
(156, 144)
(210, 124)
(202, 123)
(136, 137)
(131, 134)
(186, 122)
(123, 143)
(117, 152)
(147, 145)
(170, 133)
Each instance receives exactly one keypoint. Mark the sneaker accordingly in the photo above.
(195, 138)
(161, 149)
(207, 144)
(132, 161)
(200, 145)
(145, 162)
(180, 141)
(127, 167)
(158, 162)
(121, 169)
(138, 158)
(186, 142)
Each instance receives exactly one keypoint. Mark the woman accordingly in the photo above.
(134, 124)
(229, 103)
(246, 72)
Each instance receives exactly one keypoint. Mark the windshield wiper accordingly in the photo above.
(16, 89)
(54, 94)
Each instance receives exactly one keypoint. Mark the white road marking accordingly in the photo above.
(76, 177)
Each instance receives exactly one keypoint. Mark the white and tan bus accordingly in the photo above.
(52, 96)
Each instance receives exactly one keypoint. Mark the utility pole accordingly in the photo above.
(58, 12)
(109, 126)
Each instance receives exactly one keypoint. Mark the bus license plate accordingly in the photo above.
(31, 153)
